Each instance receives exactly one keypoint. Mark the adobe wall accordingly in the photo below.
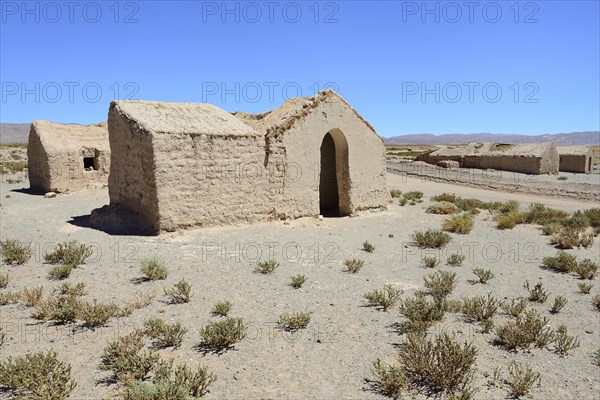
(523, 164)
(550, 160)
(37, 163)
(578, 163)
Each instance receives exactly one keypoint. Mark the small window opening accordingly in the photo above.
(88, 163)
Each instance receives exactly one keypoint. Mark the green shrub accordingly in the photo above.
(62, 309)
(125, 359)
(154, 268)
(559, 303)
(480, 308)
(389, 380)
(4, 279)
(538, 294)
(294, 321)
(430, 261)
(508, 221)
(266, 267)
(223, 334)
(456, 260)
(562, 178)
(94, 314)
(551, 228)
(222, 308)
(395, 193)
(585, 287)
(563, 342)
(562, 262)
(61, 271)
(39, 376)
(368, 247)
(441, 364)
(586, 269)
(297, 281)
(593, 215)
(448, 197)
(431, 239)
(164, 335)
(542, 215)
(527, 329)
(14, 252)
(413, 196)
(180, 293)
(515, 307)
(509, 207)
(69, 253)
(462, 224)
(442, 207)
(440, 284)
(420, 313)
(484, 275)
(386, 298)
(354, 265)
(522, 379)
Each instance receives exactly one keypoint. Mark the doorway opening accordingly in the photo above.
(88, 163)
(334, 182)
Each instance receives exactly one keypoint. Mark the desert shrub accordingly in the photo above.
(568, 238)
(484, 275)
(389, 380)
(39, 376)
(154, 268)
(559, 303)
(440, 284)
(430, 261)
(2, 337)
(68, 289)
(61, 271)
(4, 279)
(593, 215)
(585, 287)
(368, 247)
(586, 269)
(596, 302)
(164, 335)
(442, 207)
(480, 308)
(297, 281)
(395, 193)
(441, 364)
(420, 313)
(551, 228)
(94, 314)
(14, 252)
(515, 307)
(509, 207)
(456, 260)
(508, 221)
(386, 298)
(402, 201)
(222, 308)
(597, 357)
(447, 197)
(62, 309)
(521, 379)
(563, 342)
(354, 265)
(527, 329)
(125, 359)
(32, 297)
(142, 299)
(294, 321)
(9, 298)
(223, 334)
(542, 215)
(461, 224)
(562, 178)
(562, 262)
(266, 267)
(413, 196)
(69, 253)
(431, 239)
(180, 293)
(538, 294)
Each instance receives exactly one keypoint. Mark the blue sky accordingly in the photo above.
(407, 67)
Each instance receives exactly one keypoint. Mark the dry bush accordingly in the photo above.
(294, 321)
(62, 309)
(4, 279)
(142, 299)
(484, 275)
(60, 271)
(585, 287)
(297, 281)
(354, 265)
(430, 261)
(368, 247)
(14, 252)
(266, 267)
(32, 297)
(562, 262)
(522, 378)
(125, 359)
(551, 229)
(440, 365)
(389, 380)
(420, 312)
(94, 315)
(222, 308)
(586, 269)
(39, 376)
(480, 308)
(395, 193)
(2, 337)
(538, 294)
(447, 197)
(9, 298)
(559, 303)
(69, 253)
(461, 224)
(413, 196)
(440, 284)
(154, 268)
(456, 260)
(442, 207)
(509, 221)
(597, 357)
(164, 335)
(68, 289)
(526, 330)
(563, 342)
(593, 216)
(223, 334)
(180, 293)
(542, 215)
(431, 238)
(572, 233)
(515, 307)
(384, 299)
(596, 302)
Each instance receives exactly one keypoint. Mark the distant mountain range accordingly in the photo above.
(14, 133)
(561, 139)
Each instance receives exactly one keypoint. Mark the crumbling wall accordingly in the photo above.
(578, 163)
(37, 163)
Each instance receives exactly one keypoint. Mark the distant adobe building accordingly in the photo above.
(535, 159)
(578, 159)
(67, 157)
(179, 165)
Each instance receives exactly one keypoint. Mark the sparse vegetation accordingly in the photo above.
(389, 380)
(223, 334)
(440, 284)
(522, 378)
(461, 224)
(39, 376)
(4, 279)
(386, 298)
(442, 207)
(395, 193)
(154, 268)
(142, 299)
(96, 314)
(596, 302)
(32, 297)
(562, 178)
(420, 312)
(368, 247)
(266, 267)
(538, 294)
(480, 308)
(125, 359)
(164, 335)
(527, 329)
(484, 275)
(430, 261)
(559, 303)
(515, 307)
(294, 321)
(69, 253)
(585, 287)
(354, 265)
(542, 215)
(61, 271)
(14, 252)
(222, 308)
(586, 269)
(431, 238)
(180, 293)
(509, 221)
(68, 289)
(562, 262)
(9, 298)
(456, 260)
(563, 342)
(297, 281)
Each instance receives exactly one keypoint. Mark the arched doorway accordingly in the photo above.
(334, 182)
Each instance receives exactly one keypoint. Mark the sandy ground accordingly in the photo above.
(331, 359)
